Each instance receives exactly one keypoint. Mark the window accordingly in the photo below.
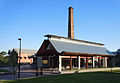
(20, 57)
(24, 57)
(48, 47)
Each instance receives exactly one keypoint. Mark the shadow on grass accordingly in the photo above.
(88, 77)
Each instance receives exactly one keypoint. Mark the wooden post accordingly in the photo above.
(48, 61)
(78, 62)
(36, 67)
(105, 62)
(53, 62)
(60, 63)
(70, 62)
(93, 62)
(99, 62)
(86, 62)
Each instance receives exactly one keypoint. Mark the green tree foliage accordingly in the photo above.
(13, 60)
(6, 58)
(2, 57)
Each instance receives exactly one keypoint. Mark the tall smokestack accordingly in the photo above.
(70, 24)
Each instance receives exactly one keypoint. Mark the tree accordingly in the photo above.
(6, 58)
(3, 53)
(2, 57)
(13, 60)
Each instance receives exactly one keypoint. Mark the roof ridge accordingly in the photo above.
(24, 49)
(49, 36)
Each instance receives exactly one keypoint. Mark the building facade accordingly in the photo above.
(25, 53)
(116, 59)
(67, 53)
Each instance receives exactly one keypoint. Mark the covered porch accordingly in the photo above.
(71, 62)
(81, 61)
(61, 53)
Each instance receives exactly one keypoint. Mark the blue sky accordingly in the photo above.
(94, 20)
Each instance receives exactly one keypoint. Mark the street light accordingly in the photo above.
(36, 65)
(19, 58)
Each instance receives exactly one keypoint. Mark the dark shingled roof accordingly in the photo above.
(118, 51)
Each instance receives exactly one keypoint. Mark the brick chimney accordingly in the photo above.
(70, 24)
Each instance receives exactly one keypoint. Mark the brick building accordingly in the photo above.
(25, 53)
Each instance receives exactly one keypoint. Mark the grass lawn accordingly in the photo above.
(4, 65)
(92, 77)
(3, 70)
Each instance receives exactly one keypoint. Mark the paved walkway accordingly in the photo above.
(6, 68)
(89, 70)
(26, 73)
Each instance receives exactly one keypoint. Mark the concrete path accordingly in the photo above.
(6, 68)
(89, 70)
(26, 73)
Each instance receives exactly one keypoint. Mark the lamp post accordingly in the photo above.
(36, 66)
(19, 58)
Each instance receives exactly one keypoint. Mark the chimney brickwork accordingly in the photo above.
(70, 24)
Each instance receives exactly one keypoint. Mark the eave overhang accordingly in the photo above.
(83, 54)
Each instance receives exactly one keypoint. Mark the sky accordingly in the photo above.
(94, 20)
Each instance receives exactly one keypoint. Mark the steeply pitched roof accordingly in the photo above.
(59, 37)
(114, 53)
(118, 51)
(78, 48)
